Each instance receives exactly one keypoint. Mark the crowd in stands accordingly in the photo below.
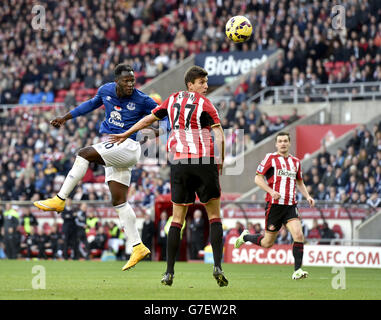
(353, 174)
(80, 234)
(36, 157)
(80, 42)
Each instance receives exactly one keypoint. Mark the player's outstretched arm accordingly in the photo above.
(302, 188)
(145, 122)
(82, 109)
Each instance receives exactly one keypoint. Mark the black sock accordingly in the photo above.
(297, 251)
(216, 235)
(254, 238)
(173, 242)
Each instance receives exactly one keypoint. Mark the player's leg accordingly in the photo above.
(182, 195)
(173, 241)
(265, 241)
(77, 172)
(272, 225)
(216, 239)
(209, 192)
(295, 228)
(127, 216)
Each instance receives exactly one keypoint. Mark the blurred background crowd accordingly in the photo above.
(82, 41)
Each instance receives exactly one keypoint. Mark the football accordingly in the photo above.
(238, 29)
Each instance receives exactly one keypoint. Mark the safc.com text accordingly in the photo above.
(345, 256)
(314, 255)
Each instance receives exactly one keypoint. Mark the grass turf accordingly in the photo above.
(92, 280)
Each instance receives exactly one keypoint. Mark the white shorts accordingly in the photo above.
(119, 159)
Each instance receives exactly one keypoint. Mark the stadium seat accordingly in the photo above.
(59, 99)
(61, 93)
(338, 231)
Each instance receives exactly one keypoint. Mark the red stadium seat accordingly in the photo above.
(59, 99)
(338, 231)
(61, 93)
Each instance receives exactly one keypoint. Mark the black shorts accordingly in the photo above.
(188, 179)
(278, 214)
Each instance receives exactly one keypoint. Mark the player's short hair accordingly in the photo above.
(282, 133)
(123, 69)
(194, 73)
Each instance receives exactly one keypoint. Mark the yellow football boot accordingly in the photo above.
(139, 252)
(52, 204)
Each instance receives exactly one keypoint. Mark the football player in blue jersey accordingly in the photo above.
(124, 106)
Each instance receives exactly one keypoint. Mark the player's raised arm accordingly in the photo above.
(143, 123)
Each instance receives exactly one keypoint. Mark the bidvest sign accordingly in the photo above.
(224, 67)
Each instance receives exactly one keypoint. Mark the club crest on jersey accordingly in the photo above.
(130, 106)
(108, 98)
(260, 168)
(117, 108)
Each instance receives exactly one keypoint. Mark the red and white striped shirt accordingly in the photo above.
(191, 116)
(281, 174)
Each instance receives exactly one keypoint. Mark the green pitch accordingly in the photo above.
(88, 280)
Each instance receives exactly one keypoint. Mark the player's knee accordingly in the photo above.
(298, 237)
(84, 153)
(266, 244)
(116, 201)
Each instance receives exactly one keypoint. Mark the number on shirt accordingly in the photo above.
(189, 109)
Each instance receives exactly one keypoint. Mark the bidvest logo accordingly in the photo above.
(225, 66)
(222, 66)
(286, 173)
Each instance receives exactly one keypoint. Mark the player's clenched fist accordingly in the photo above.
(58, 122)
(275, 195)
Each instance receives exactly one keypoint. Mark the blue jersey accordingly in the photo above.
(120, 113)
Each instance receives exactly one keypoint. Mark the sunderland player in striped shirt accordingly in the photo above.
(283, 174)
(194, 168)
(124, 106)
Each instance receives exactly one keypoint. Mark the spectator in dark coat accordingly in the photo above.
(197, 235)
(11, 241)
(148, 232)
(326, 234)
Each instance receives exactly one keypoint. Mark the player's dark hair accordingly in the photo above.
(194, 73)
(120, 68)
(283, 133)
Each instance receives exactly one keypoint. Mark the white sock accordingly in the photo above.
(128, 221)
(75, 175)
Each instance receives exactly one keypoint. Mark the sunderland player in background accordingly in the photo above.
(283, 173)
(194, 169)
(124, 106)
